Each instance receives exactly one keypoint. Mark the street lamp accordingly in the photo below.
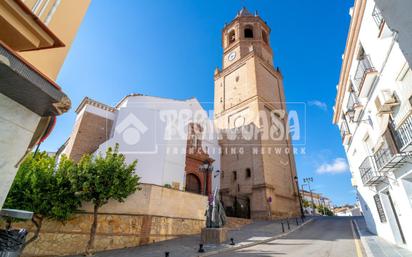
(206, 167)
(302, 214)
(308, 181)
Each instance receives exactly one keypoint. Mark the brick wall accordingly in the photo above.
(89, 132)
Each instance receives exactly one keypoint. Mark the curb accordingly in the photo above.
(365, 245)
(234, 248)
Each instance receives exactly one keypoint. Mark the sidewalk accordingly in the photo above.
(252, 234)
(375, 246)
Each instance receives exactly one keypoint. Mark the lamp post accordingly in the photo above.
(302, 214)
(308, 181)
(206, 167)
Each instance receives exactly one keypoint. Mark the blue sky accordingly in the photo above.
(171, 48)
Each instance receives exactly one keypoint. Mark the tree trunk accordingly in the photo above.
(90, 244)
(38, 223)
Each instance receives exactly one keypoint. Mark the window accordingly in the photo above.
(234, 175)
(248, 173)
(368, 144)
(248, 32)
(232, 37)
(222, 174)
(265, 37)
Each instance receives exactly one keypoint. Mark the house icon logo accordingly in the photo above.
(131, 129)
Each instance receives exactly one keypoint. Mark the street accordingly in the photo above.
(326, 236)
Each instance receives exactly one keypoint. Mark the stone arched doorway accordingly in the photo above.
(193, 184)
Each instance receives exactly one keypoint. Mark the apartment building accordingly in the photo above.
(35, 37)
(316, 199)
(373, 112)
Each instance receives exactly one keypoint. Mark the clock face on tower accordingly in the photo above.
(231, 56)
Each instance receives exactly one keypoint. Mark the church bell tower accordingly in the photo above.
(257, 181)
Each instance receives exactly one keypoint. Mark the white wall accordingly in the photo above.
(161, 156)
(389, 62)
(17, 125)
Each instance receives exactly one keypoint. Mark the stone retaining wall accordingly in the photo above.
(235, 223)
(113, 232)
(153, 214)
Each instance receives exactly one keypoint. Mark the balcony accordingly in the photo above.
(377, 17)
(365, 76)
(403, 135)
(369, 174)
(384, 155)
(383, 29)
(345, 133)
(386, 158)
(354, 108)
(21, 30)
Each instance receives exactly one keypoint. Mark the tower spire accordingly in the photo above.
(244, 12)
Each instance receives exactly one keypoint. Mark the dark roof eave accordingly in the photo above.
(24, 84)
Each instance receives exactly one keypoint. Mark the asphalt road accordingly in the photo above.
(324, 237)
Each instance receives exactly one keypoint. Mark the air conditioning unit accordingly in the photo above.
(387, 97)
(385, 101)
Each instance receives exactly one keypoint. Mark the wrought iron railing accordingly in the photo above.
(352, 101)
(403, 134)
(364, 67)
(344, 129)
(367, 170)
(382, 156)
(377, 16)
(387, 151)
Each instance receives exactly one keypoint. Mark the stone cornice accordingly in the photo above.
(89, 101)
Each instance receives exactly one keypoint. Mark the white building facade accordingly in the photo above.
(373, 112)
(151, 130)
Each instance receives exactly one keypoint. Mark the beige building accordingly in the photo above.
(256, 182)
(35, 37)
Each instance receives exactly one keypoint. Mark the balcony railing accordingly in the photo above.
(364, 68)
(377, 17)
(383, 156)
(352, 101)
(344, 132)
(369, 174)
(403, 134)
(387, 158)
(353, 107)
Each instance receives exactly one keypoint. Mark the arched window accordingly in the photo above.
(248, 32)
(232, 37)
(265, 37)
